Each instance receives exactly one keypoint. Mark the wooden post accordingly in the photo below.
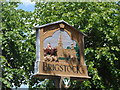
(82, 51)
(36, 68)
(58, 83)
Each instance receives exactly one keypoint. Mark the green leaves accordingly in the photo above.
(18, 45)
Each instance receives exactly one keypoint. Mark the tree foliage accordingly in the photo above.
(100, 21)
(18, 45)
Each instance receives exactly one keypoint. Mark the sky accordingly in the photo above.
(27, 5)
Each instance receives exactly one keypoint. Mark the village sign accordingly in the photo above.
(60, 53)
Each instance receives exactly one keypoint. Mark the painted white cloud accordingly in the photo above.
(54, 40)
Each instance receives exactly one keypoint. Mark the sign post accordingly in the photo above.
(60, 53)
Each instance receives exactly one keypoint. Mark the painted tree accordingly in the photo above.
(100, 21)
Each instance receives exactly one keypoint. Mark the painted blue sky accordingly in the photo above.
(27, 5)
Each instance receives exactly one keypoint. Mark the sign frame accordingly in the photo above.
(41, 67)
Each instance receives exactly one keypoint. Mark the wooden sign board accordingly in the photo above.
(60, 52)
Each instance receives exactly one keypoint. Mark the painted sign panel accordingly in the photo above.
(60, 47)
(60, 51)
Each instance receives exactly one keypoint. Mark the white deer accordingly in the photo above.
(66, 82)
